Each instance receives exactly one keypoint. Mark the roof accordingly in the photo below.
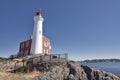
(31, 38)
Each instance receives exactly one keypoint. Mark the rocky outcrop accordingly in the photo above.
(70, 71)
(81, 72)
(75, 71)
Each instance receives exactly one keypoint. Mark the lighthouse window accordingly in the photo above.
(45, 43)
(22, 45)
(27, 43)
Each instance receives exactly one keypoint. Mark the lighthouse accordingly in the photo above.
(37, 43)
(36, 46)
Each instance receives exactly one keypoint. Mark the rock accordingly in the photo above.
(71, 77)
(77, 70)
(93, 74)
(88, 71)
(56, 71)
(65, 73)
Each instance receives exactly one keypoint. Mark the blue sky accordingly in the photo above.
(85, 29)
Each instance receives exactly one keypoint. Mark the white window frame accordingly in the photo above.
(46, 43)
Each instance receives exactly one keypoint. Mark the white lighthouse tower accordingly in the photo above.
(36, 47)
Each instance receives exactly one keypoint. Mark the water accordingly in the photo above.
(113, 67)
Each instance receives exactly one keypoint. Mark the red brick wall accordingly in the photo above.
(26, 45)
(47, 47)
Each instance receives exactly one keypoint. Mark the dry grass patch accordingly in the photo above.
(33, 74)
(3, 74)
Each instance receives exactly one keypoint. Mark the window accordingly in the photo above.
(21, 52)
(45, 43)
(22, 45)
(26, 52)
(45, 51)
(27, 43)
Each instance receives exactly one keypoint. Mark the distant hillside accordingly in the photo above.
(102, 60)
(2, 59)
